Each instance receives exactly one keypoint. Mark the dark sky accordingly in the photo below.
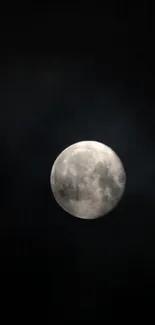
(67, 76)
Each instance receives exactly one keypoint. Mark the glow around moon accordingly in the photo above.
(88, 179)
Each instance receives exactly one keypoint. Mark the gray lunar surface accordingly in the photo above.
(88, 179)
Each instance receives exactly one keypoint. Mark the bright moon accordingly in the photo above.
(88, 179)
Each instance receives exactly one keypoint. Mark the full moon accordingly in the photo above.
(88, 179)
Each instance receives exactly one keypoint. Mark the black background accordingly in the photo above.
(69, 75)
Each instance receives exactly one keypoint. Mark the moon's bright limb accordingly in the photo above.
(88, 179)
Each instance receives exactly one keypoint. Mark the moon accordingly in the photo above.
(88, 179)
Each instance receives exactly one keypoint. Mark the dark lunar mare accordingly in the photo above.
(68, 191)
(106, 180)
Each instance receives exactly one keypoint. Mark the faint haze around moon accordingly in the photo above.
(88, 179)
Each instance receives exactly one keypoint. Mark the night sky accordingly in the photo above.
(68, 76)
